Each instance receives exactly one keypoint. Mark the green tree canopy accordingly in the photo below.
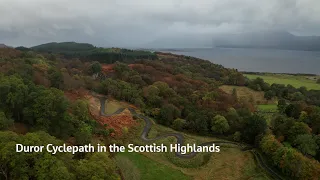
(179, 124)
(219, 124)
(306, 144)
(254, 126)
(5, 122)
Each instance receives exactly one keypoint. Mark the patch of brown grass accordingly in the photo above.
(19, 128)
(247, 94)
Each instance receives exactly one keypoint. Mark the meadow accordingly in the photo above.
(296, 81)
(268, 111)
(135, 166)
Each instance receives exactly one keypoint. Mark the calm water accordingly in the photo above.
(259, 60)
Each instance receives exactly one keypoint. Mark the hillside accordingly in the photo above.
(88, 52)
(76, 94)
(63, 47)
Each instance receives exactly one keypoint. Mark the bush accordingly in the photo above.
(179, 124)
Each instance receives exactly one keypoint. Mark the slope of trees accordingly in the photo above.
(290, 161)
(177, 91)
(88, 52)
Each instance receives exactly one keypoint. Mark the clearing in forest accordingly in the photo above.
(247, 94)
(267, 107)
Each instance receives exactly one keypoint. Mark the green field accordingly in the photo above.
(296, 81)
(149, 169)
(268, 107)
(268, 111)
(112, 106)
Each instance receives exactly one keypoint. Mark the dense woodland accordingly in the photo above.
(177, 91)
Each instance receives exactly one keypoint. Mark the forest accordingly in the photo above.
(179, 92)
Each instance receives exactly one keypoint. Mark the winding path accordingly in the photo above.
(180, 138)
(147, 127)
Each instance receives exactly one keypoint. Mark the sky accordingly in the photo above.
(139, 23)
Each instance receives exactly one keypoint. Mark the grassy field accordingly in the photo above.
(247, 94)
(268, 107)
(149, 169)
(267, 110)
(296, 81)
(128, 169)
(229, 163)
(113, 105)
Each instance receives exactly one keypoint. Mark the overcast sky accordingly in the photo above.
(139, 22)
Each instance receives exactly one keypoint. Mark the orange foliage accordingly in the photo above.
(107, 68)
(117, 122)
(9, 53)
(39, 78)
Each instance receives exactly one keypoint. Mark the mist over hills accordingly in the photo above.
(262, 39)
(190, 40)
(273, 40)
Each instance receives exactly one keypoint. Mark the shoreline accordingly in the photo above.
(174, 53)
(271, 73)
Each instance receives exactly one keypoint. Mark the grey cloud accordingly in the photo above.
(139, 22)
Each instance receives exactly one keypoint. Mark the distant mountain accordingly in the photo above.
(274, 40)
